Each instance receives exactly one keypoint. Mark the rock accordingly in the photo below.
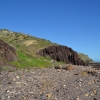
(79, 84)
(48, 95)
(14, 79)
(9, 82)
(77, 98)
(57, 67)
(62, 53)
(59, 70)
(95, 99)
(89, 83)
(87, 94)
(43, 97)
(17, 77)
(8, 97)
(7, 53)
(95, 92)
(81, 80)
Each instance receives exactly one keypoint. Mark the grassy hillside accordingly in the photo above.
(84, 57)
(27, 48)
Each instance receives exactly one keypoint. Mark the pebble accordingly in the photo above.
(95, 92)
(64, 85)
(48, 95)
(87, 94)
(77, 98)
(43, 97)
(49, 84)
(17, 77)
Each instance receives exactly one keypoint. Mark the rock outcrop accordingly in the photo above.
(62, 53)
(7, 53)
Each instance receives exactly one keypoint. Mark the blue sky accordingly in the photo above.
(73, 23)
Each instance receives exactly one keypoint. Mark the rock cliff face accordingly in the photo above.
(7, 53)
(62, 53)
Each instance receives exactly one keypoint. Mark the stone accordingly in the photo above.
(7, 53)
(57, 67)
(86, 94)
(64, 85)
(95, 99)
(17, 77)
(89, 83)
(77, 98)
(43, 97)
(95, 92)
(48, 95)
(54, 99)
(8, 97)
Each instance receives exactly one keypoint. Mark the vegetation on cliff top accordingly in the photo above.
(84, 57)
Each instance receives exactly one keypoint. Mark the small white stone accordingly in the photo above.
(86, 94)
(64, 85)
(18, 83)
(79, 84)
(8, 91)
(81, 80)
(17, 77)
(8, 97)
(14, 79)
(77, 98)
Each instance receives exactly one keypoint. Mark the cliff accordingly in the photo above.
(7, 53)
(62, 53)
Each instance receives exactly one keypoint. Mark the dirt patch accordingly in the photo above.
(30, 42)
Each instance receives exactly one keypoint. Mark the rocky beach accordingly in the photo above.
(78, 83)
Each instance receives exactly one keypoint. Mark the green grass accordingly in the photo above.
(84, 57)
(8, 68)
(25, 61)
(4, 68)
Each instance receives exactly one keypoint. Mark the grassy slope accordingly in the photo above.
(84, 57)
(27, 47)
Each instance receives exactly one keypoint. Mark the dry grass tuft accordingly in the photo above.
(69, 67)
(87, 72)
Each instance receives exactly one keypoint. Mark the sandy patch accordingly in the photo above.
(30, 42)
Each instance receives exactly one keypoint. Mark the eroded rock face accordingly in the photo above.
(7, 53)
(62, 53)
